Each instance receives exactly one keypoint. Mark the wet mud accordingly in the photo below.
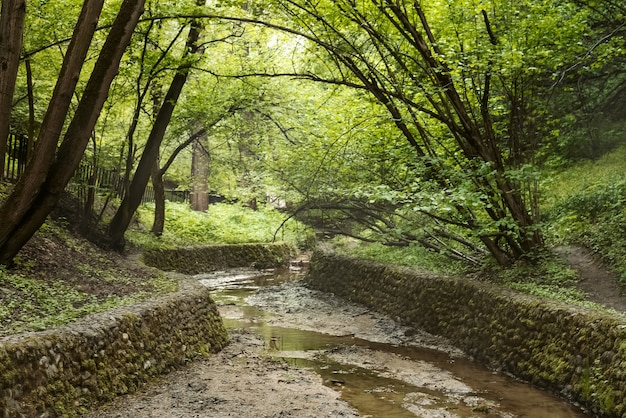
(296, 352)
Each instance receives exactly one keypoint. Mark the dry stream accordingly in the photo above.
(380, 368)
(301, 353)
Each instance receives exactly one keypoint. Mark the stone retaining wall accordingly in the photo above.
(195, 260)
(577, 352)
(67, 370)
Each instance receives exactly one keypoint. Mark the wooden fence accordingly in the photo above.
(16, 156)
(105, 181)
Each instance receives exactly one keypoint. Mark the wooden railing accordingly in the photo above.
(111, 182)
(16, 156)
(105, 181)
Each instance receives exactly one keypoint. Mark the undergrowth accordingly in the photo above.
(586, 205)
(222, 224)
(32, 304)
(59, 277)
(411, 256)
(545, 275)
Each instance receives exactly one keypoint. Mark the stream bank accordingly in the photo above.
(575, 351)
(296, 352)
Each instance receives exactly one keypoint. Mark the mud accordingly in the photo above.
(240, 381)
(300, 353)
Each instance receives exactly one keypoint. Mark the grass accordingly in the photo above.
(583, 175)
(43, 289)
(411, 256)
(32, 304)
(222, 224)
(585, 204)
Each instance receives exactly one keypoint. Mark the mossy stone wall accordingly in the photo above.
(65, 371)
(195, 260)
(577, 352)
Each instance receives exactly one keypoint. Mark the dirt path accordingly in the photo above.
(596, 279)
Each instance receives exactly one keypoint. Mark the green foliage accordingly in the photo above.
(431, 80)
(412, 256)
(555, 292)
(222, 224)
(587, 205)
(543, 269)
(546, 275)
(31, 304)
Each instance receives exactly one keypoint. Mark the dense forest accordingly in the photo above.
(435, 123)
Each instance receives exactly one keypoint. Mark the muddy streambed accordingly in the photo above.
(299, 353)
(380, 368)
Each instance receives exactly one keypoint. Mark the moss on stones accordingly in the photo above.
(577, 352)
(67, 370)
(194, 260)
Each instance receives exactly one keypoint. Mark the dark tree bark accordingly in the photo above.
(12, 15)
(49, 171)
(87, 221)
(15, 208)
(159, 200)
(121, 220)
(31, 109)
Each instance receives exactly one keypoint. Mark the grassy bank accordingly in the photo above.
(59, 276)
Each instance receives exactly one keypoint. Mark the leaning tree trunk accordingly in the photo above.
(12, 16)
(121, 220)
(46, 177)
(15, 209)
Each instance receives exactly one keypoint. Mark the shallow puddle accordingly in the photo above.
(380, 368)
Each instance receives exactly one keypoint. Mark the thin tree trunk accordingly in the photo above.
(87, 220)
(120, 222)
(200, 170)
(31, 110)
(41, 190)
(12, 15)
(159, 200)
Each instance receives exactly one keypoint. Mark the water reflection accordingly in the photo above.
(387, 380)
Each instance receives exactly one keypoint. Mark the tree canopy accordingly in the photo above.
(390, 121)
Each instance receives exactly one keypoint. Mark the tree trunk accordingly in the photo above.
(88, 217)
(159, 200)
(12, 17)
(31, 110)
(120, 222)
(39, 189)
(15, 209)
(200, 171)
